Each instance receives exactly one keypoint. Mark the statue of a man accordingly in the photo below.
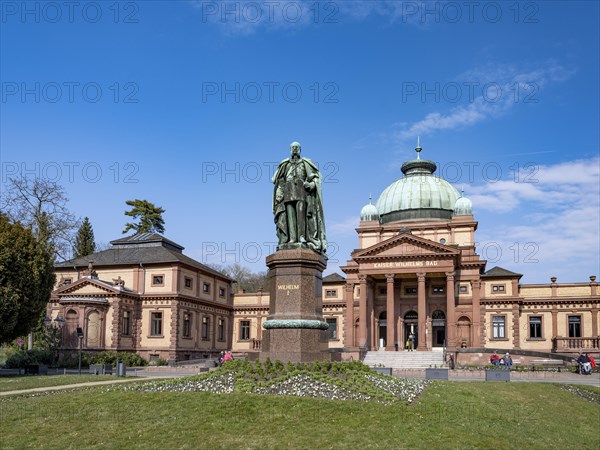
(298, 203)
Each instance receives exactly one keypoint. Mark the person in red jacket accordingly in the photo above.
(227, 357)
(495, 360)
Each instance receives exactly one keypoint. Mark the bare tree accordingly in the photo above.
(41, 206)
(244, 278)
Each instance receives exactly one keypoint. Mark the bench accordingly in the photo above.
(36, 369)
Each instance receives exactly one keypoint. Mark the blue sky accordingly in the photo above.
(192, 104)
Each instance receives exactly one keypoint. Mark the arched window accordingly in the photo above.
(71, 322)
(438, 315)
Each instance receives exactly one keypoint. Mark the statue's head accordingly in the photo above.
(295, 148)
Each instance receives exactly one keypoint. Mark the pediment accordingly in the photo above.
(406, 245)
(87, 286)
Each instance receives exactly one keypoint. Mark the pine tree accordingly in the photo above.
(26, 279)
(84, 241)
(150, 217)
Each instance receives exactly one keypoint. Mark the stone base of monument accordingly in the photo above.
(295, 345)
(294, 330)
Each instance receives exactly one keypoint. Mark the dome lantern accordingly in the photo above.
(463, 206)
(369, 212)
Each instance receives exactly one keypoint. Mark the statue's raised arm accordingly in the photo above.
(298, 203)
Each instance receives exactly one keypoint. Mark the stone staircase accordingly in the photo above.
(405, 360)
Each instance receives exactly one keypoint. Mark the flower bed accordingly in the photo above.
(335, 381)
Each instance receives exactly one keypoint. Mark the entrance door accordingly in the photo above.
(411, 326)
(438, 329)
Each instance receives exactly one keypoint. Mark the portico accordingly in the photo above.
(411, 282)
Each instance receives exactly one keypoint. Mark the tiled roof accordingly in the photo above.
(154, 249)
(333, 278)
(145, 238)
(500, 272)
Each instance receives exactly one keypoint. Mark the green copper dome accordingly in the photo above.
(369, 212)
(463, 206)
(418, 194)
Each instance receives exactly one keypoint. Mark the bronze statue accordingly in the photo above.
(298, 203)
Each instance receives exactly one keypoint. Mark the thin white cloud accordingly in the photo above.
(558, 221)
(490, 91)
(564, 185)
(243, 17)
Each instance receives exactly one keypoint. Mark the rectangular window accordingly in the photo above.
(332, 330)
(498, 327)
(330, 293)
(187, 325)
(463, 289)
(221, 292)
(535, 327)
(188, 283)
(205, 325)
(410, 290)
(158, 280)
(382, 291)
(206, 288)
(575, 326)
(438, 289)
(156, 324)
(67, 281)
(244, 330)
(126, 324)
(221, 329)
(498, 288)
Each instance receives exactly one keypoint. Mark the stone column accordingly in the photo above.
(422, 312)
(116, 323)
(595, 330)
(390, 321)
(259, 326)
(516, 326)
(349, 320)
(362, 316)
(477, 325)
(174, 330)
(450, 313)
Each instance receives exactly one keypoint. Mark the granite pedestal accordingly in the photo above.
(294, 330)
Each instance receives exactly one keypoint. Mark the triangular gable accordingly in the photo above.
(87, 286)
(406, 244)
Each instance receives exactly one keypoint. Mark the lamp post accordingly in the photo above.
(80, 336)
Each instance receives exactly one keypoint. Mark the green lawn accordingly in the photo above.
(448, 415)
(17, 382)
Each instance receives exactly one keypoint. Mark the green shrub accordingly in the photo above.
(25, 358)
(129, 358)
(161, 362)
